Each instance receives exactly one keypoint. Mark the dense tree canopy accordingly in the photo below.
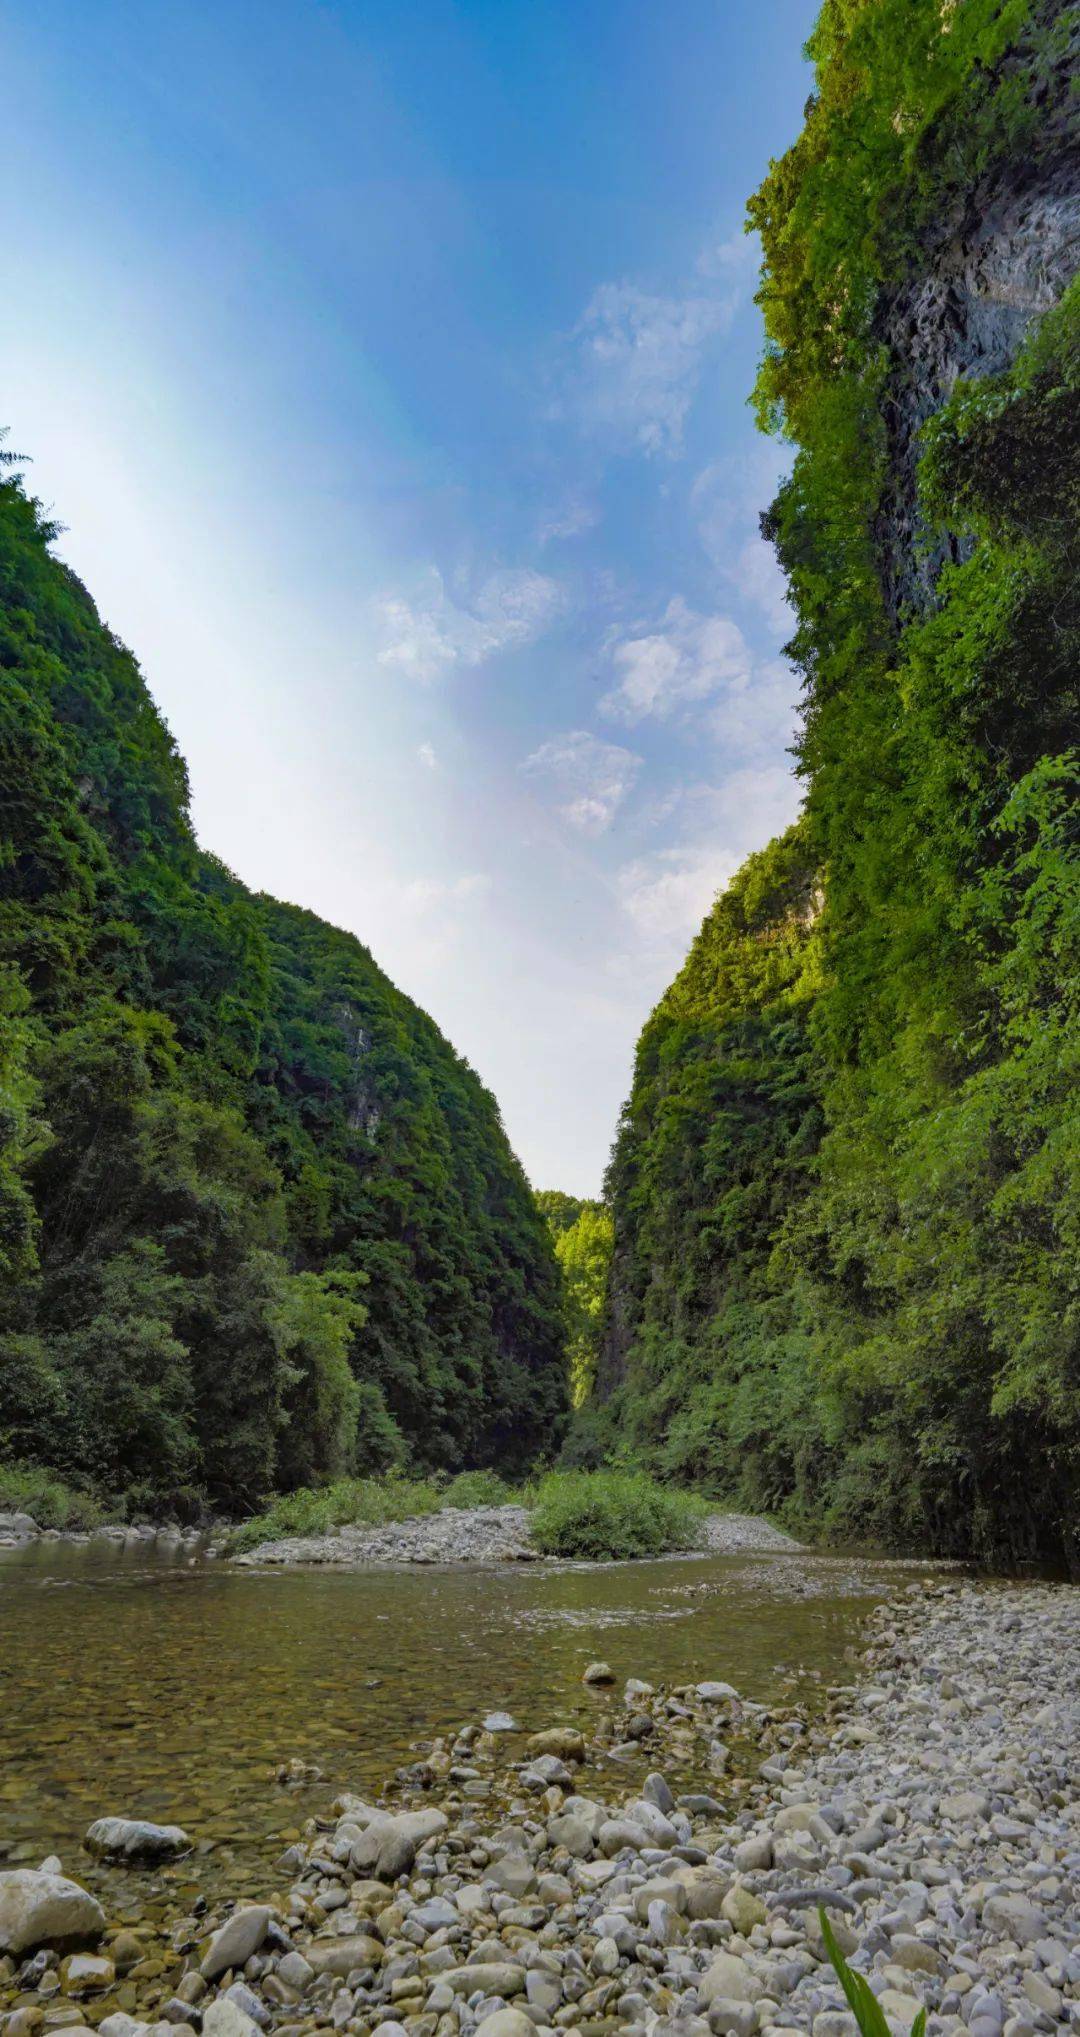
(259, 1223)
(583, 1235)
(846, 1186)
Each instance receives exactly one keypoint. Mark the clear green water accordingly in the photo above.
(170, 1687)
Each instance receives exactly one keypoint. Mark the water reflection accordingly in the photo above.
(154, 1683)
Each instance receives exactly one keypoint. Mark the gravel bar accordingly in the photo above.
(480, 1535)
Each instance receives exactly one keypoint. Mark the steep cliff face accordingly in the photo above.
(847, 1222)
(712, 1149)
(258, 1222)
(1000, 254)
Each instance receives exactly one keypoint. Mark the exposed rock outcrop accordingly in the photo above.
(1000, 255)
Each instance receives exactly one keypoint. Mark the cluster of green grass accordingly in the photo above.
(369, 1502)
(597, 1514)
(348, 1502)
(25, 1489)
(609, 1514)
(478, 1489)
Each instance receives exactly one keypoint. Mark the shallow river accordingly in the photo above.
(170, 1687)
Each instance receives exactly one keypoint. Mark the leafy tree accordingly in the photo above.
(558, 1209)
(18, 1129)
(584, 1254)
(316, 1319)
(583, 1235)
(219, 1124)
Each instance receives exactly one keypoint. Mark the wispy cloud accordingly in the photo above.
(688, 658)
(590, 778)
(429, 894)
(667, 894)
(636, 355)
(759, 714)
(428, 759)
(570, 518)
(727, 499)
(639, 357)
(426, 633)
(734, 260)
(757, 572)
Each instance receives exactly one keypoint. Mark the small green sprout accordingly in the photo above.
(861, 1999)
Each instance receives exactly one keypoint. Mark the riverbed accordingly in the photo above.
(161, 1683)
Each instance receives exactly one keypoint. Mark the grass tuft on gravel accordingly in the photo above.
(479, 1489)
(353, 1502)
(861, 1999)
(609, 1514)
(595, 1514)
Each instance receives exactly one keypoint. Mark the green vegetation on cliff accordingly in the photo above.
(583, 1235)
(259, 1224)
(846, 1187)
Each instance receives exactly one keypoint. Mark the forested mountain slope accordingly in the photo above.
(846, 1186)
(258, 1221)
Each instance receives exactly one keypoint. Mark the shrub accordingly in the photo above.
(24, 1489)
(477, 1489)
(613, 1513)
(591, 1439)
(367, 1502)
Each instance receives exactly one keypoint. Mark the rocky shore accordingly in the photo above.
(506, 1883)
(495, 1534)
(17, 1529)
(492, 1534)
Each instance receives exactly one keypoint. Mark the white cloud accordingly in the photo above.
(667, 894)
(422, 895)
(688, 658)
(591, 778)
(727, 499)
(760, 713)
(569, 519)
(427, 757)
(638, 358)
(427, 633)
(735, 259)
(637, 355)
(758, 573)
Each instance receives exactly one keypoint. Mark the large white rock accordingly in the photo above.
(900, 2009)
(661, 1831)
(135, 1839)
(507, 2023)
(45, 1909)
(488, 1976)
(383, 1844)
(340, 1955)
(1013, 1916)
(728, 1979)
(234, 1944)
(223, 2018)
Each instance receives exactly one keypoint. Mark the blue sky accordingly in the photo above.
(387, 364)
